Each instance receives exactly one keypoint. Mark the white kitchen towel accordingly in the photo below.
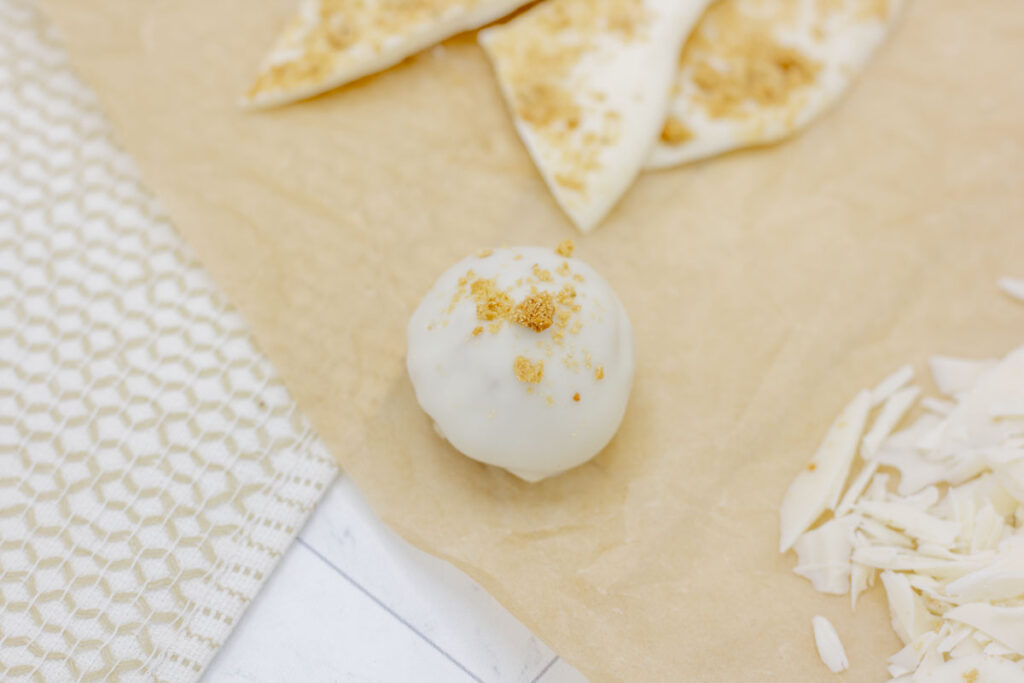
(152, 466)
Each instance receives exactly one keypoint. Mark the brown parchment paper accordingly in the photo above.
(765, 289)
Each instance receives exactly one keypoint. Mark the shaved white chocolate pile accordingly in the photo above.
(757, 71)
(588, 85)
(935, 514)
(830, 648)
(332, 42)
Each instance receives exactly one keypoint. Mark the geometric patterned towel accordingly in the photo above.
(152, 466)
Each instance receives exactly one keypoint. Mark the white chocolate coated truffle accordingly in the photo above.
(524, 359)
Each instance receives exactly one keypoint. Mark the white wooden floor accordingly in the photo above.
(351, 601)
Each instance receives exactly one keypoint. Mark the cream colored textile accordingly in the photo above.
(152, 466)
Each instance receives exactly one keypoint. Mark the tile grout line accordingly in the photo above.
(301, 541)
(545, 669)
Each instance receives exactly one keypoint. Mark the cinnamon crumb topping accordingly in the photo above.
(565, 248)
(536, 312)
(527, 371)
(576, 397)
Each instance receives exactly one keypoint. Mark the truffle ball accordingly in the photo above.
(524, 359)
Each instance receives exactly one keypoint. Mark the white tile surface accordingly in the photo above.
(307, 625)
(562, 672)
(351, 601)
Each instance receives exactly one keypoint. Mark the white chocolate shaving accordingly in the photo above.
(956, 375)
(896, 406)
(1014, 287)
(891, 384)
(1004, 624)
(819, 485)
(824, 555)
(830, 648)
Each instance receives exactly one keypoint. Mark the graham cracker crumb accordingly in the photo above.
(971, 676)
(536, 312)
(541, 274)
(527, 371)
(542, 104)
(484, 253)
(565, 248)
(491, 303)
(550, 400)
(477, 331)
(566, 295)
(576, 397)
(570, 181)
(675, 132)
(321, 43)
(877, 11)
(599, 373)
